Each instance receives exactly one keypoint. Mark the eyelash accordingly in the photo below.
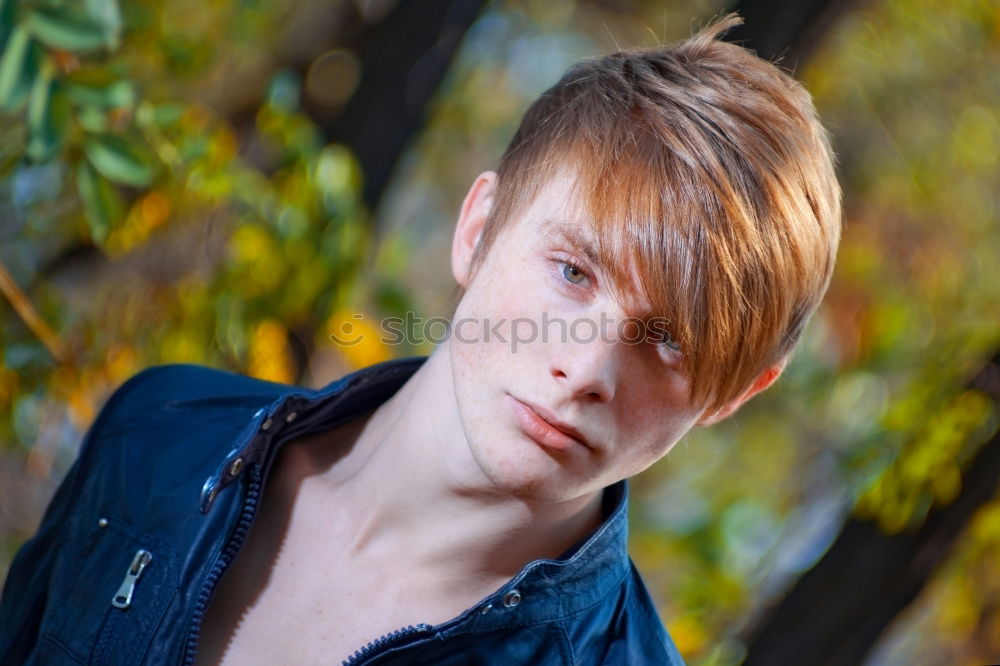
(563, 262)
(669, 342)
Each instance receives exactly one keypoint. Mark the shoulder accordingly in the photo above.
(180, 388)
(624, 628)
(167, 428)
(179, 404)
(144, 461)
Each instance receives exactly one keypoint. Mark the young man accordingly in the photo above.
(664, 222)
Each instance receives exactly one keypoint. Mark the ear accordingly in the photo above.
(764, 379)
(472, 218)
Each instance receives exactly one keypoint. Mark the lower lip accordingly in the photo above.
(540, 430)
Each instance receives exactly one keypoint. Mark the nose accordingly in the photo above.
(588, 370)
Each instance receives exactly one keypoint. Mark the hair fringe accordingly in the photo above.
(705, 173)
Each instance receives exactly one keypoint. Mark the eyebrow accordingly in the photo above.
(582, 241)
(571, 234)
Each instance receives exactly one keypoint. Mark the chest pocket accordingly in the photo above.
(107, 597)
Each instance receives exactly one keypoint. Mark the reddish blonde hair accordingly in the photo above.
(705, 170)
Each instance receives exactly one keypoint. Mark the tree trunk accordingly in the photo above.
(785, 30)
(404, 58)
(837, 611)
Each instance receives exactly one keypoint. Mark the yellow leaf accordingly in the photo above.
(270, 357)
(688, 634)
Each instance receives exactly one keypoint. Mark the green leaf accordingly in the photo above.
(102, 204)
(18, 69)
(67, 28)
(108, 15)
(338, 177)
(393, 298)
(160, 115)
(120, 160)
(6, 21)
(89, 88)
(48, 117)
(92, 120)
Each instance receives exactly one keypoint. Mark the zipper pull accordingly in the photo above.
(123, 598)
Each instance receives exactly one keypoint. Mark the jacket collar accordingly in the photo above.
(544, 589)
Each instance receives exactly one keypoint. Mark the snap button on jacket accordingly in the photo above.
(164, 492)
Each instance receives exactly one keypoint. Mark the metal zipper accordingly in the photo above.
(221, 564)
(123, 597)
(386, 642)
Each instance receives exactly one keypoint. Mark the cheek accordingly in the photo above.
(657, 414)
(480, 334)
(498, 315)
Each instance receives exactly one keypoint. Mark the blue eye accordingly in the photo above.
(670, 342)
(573, 273)
(659, 335)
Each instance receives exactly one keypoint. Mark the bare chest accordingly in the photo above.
(292, 596)
(301, 621)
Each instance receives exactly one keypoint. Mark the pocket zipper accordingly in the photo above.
(123, 598)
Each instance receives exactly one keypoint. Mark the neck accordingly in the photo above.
(413, 486)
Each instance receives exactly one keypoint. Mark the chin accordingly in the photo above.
(519, 468)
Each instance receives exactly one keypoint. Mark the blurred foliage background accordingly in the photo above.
(171, 190)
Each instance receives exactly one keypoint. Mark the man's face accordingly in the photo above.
(628, 402)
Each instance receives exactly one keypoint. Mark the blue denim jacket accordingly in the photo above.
(164, 492)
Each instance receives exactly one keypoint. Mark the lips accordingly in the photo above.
(543, 427)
